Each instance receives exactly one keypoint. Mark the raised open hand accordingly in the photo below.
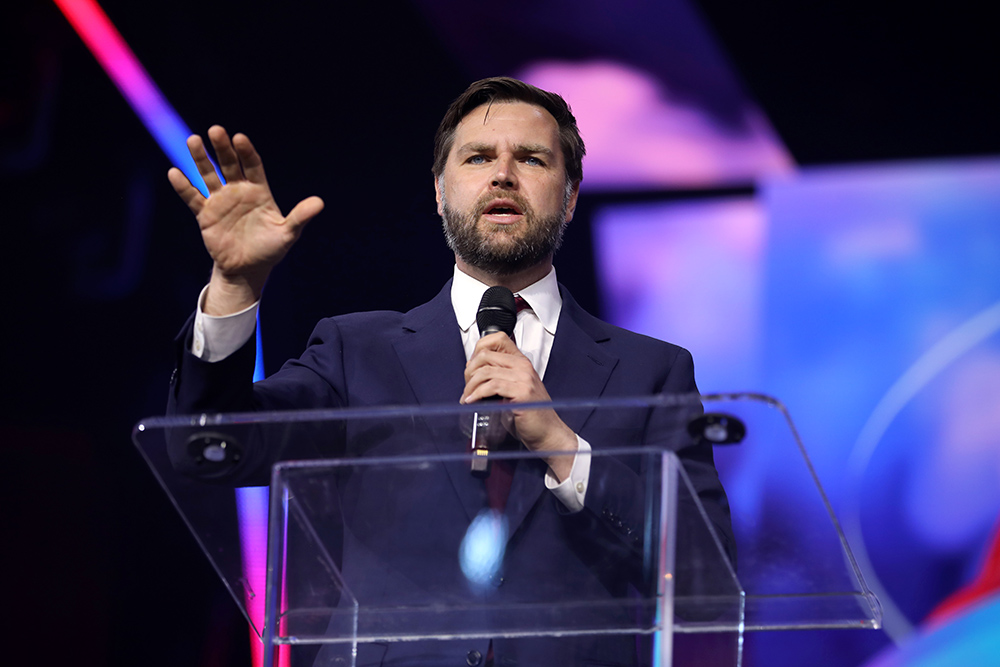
(241, 225)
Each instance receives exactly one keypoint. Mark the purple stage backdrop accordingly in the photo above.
(867, 298)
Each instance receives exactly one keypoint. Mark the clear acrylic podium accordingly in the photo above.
(385, 546)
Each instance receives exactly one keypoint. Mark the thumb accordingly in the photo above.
(304, 211)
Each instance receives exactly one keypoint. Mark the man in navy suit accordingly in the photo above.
(507, 167)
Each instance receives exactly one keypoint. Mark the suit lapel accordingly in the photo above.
(579, 365)
(579, 368)
(430, 352)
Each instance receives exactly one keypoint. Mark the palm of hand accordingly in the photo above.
(243, 228)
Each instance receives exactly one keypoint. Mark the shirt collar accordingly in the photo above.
(543, 297)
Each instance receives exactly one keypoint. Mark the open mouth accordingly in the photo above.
(503, 207)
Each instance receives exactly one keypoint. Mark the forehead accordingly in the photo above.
(517, 123)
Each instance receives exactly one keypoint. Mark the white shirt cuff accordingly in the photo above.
(215, 338)
(572, 491)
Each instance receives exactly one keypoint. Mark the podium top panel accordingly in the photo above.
(394, 485)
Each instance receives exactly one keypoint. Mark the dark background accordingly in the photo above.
(102, 264)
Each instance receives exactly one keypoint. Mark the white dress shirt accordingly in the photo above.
(215, 338)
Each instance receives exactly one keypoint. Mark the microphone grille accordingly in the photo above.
(497, 311)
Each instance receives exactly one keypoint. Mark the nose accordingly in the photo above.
(505, 174)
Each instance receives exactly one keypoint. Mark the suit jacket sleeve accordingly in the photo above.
(313, 381)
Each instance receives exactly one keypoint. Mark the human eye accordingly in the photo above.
(477, 159)
(534, 161)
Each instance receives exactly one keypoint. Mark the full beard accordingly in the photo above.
(500, 249)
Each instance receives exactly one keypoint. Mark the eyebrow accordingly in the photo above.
(478, 147)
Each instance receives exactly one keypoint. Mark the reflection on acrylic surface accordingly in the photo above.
(483, 548)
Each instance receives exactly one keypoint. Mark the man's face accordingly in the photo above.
(503, 195)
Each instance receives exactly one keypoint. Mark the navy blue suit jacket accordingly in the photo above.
(390, 358)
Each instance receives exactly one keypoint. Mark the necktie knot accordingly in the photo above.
(520, 303)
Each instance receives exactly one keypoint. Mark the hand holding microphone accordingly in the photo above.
(498, 370)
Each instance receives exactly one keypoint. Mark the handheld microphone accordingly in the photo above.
(497, 312)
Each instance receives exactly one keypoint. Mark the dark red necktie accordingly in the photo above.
(520, 303)
(502, 473)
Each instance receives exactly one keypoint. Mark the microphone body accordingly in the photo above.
(497, 312)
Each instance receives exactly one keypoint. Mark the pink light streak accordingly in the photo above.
(170, 132)
(251, 507)
(135, 84)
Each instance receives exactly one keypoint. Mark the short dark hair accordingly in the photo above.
(506, 89)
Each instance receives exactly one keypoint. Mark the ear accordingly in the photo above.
(571, 205)
(438, 194)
